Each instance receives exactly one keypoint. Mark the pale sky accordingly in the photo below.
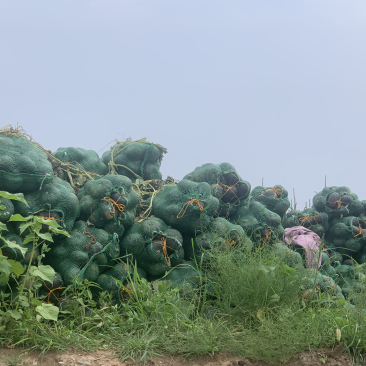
(276, 88)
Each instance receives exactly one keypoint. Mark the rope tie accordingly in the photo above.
(228, 188)
(51, 292)
(268, 232)
(120, 206)
(49, 217)
(361, 231)
(277, 190)
(339, 203)
(185, 206)
(123, 291)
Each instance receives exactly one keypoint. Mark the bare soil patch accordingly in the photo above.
(15, 357)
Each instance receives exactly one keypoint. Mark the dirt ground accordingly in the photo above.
(15, 357)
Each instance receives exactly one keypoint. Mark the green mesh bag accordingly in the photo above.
(338, 202)
(15, 254)
(220, 233)
(51, 292)
(274, 198)
(309, 218)
(347, 235)
(135, 159)
(87, 160)
(153, 245)
(290, 257)
(6, 209)
(109, 203)
(23, 166)
(187, 206)
(260, 224)
(86, 254)
(116, 280)
(55, 201)
(226, 185)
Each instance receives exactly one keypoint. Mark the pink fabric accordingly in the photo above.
(307, 239)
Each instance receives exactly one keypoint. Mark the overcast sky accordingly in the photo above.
(276, 88)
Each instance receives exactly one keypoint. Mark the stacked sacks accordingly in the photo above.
(338, 202)
(23, 166)
(274, 198)
(348, 236)
(54, 201)
(187, 206)
(154, 246)
(310, 219)
(220, 233)
(116, 280)
(226, 185)
(86, 254)
(87, 160)
(260, 224)
(108, 203)
(135, 159)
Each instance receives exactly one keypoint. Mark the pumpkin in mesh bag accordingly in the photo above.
(154, 246)
(226, 185)
(108, 203)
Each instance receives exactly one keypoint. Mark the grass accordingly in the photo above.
(247, 305)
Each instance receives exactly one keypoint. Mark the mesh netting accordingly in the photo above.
(187, 206)
(6, 209)
(117, 279)
(348, 235)
(309, 218)
(220, 233)
(108, 203)
(87, 160)
(14, 253)
(135, 159)
(338, 202)
(86, 254)
(261, 225)
(226, 185)
(23, 166)
(274, 198)
(153, 245)
(54, 201)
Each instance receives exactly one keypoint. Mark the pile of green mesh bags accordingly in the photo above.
(260, 224)
(310, 219)
(348, 236)
(108, 203)
(221, 234)
(135, 159)
(54, 201)
(23, 166)
(274, 198)
(187, 206)
(338, 202)
(226, 185)
(87, 160)
(86, 254)
(154, 246)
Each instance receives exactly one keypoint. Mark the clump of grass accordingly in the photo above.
(248, 304)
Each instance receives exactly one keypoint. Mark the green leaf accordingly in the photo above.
(288, 271)
(48, 311)
(15, 314)
(3, 226)
(25, 226)
(29, 238)
(15, 197)
(12, 244)
(18, 217)
(46, 236)
(2, 207)
(52, 223)
(36, 302)
(58, 231)
(47, 273)
(5, 267)
(16, 267)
